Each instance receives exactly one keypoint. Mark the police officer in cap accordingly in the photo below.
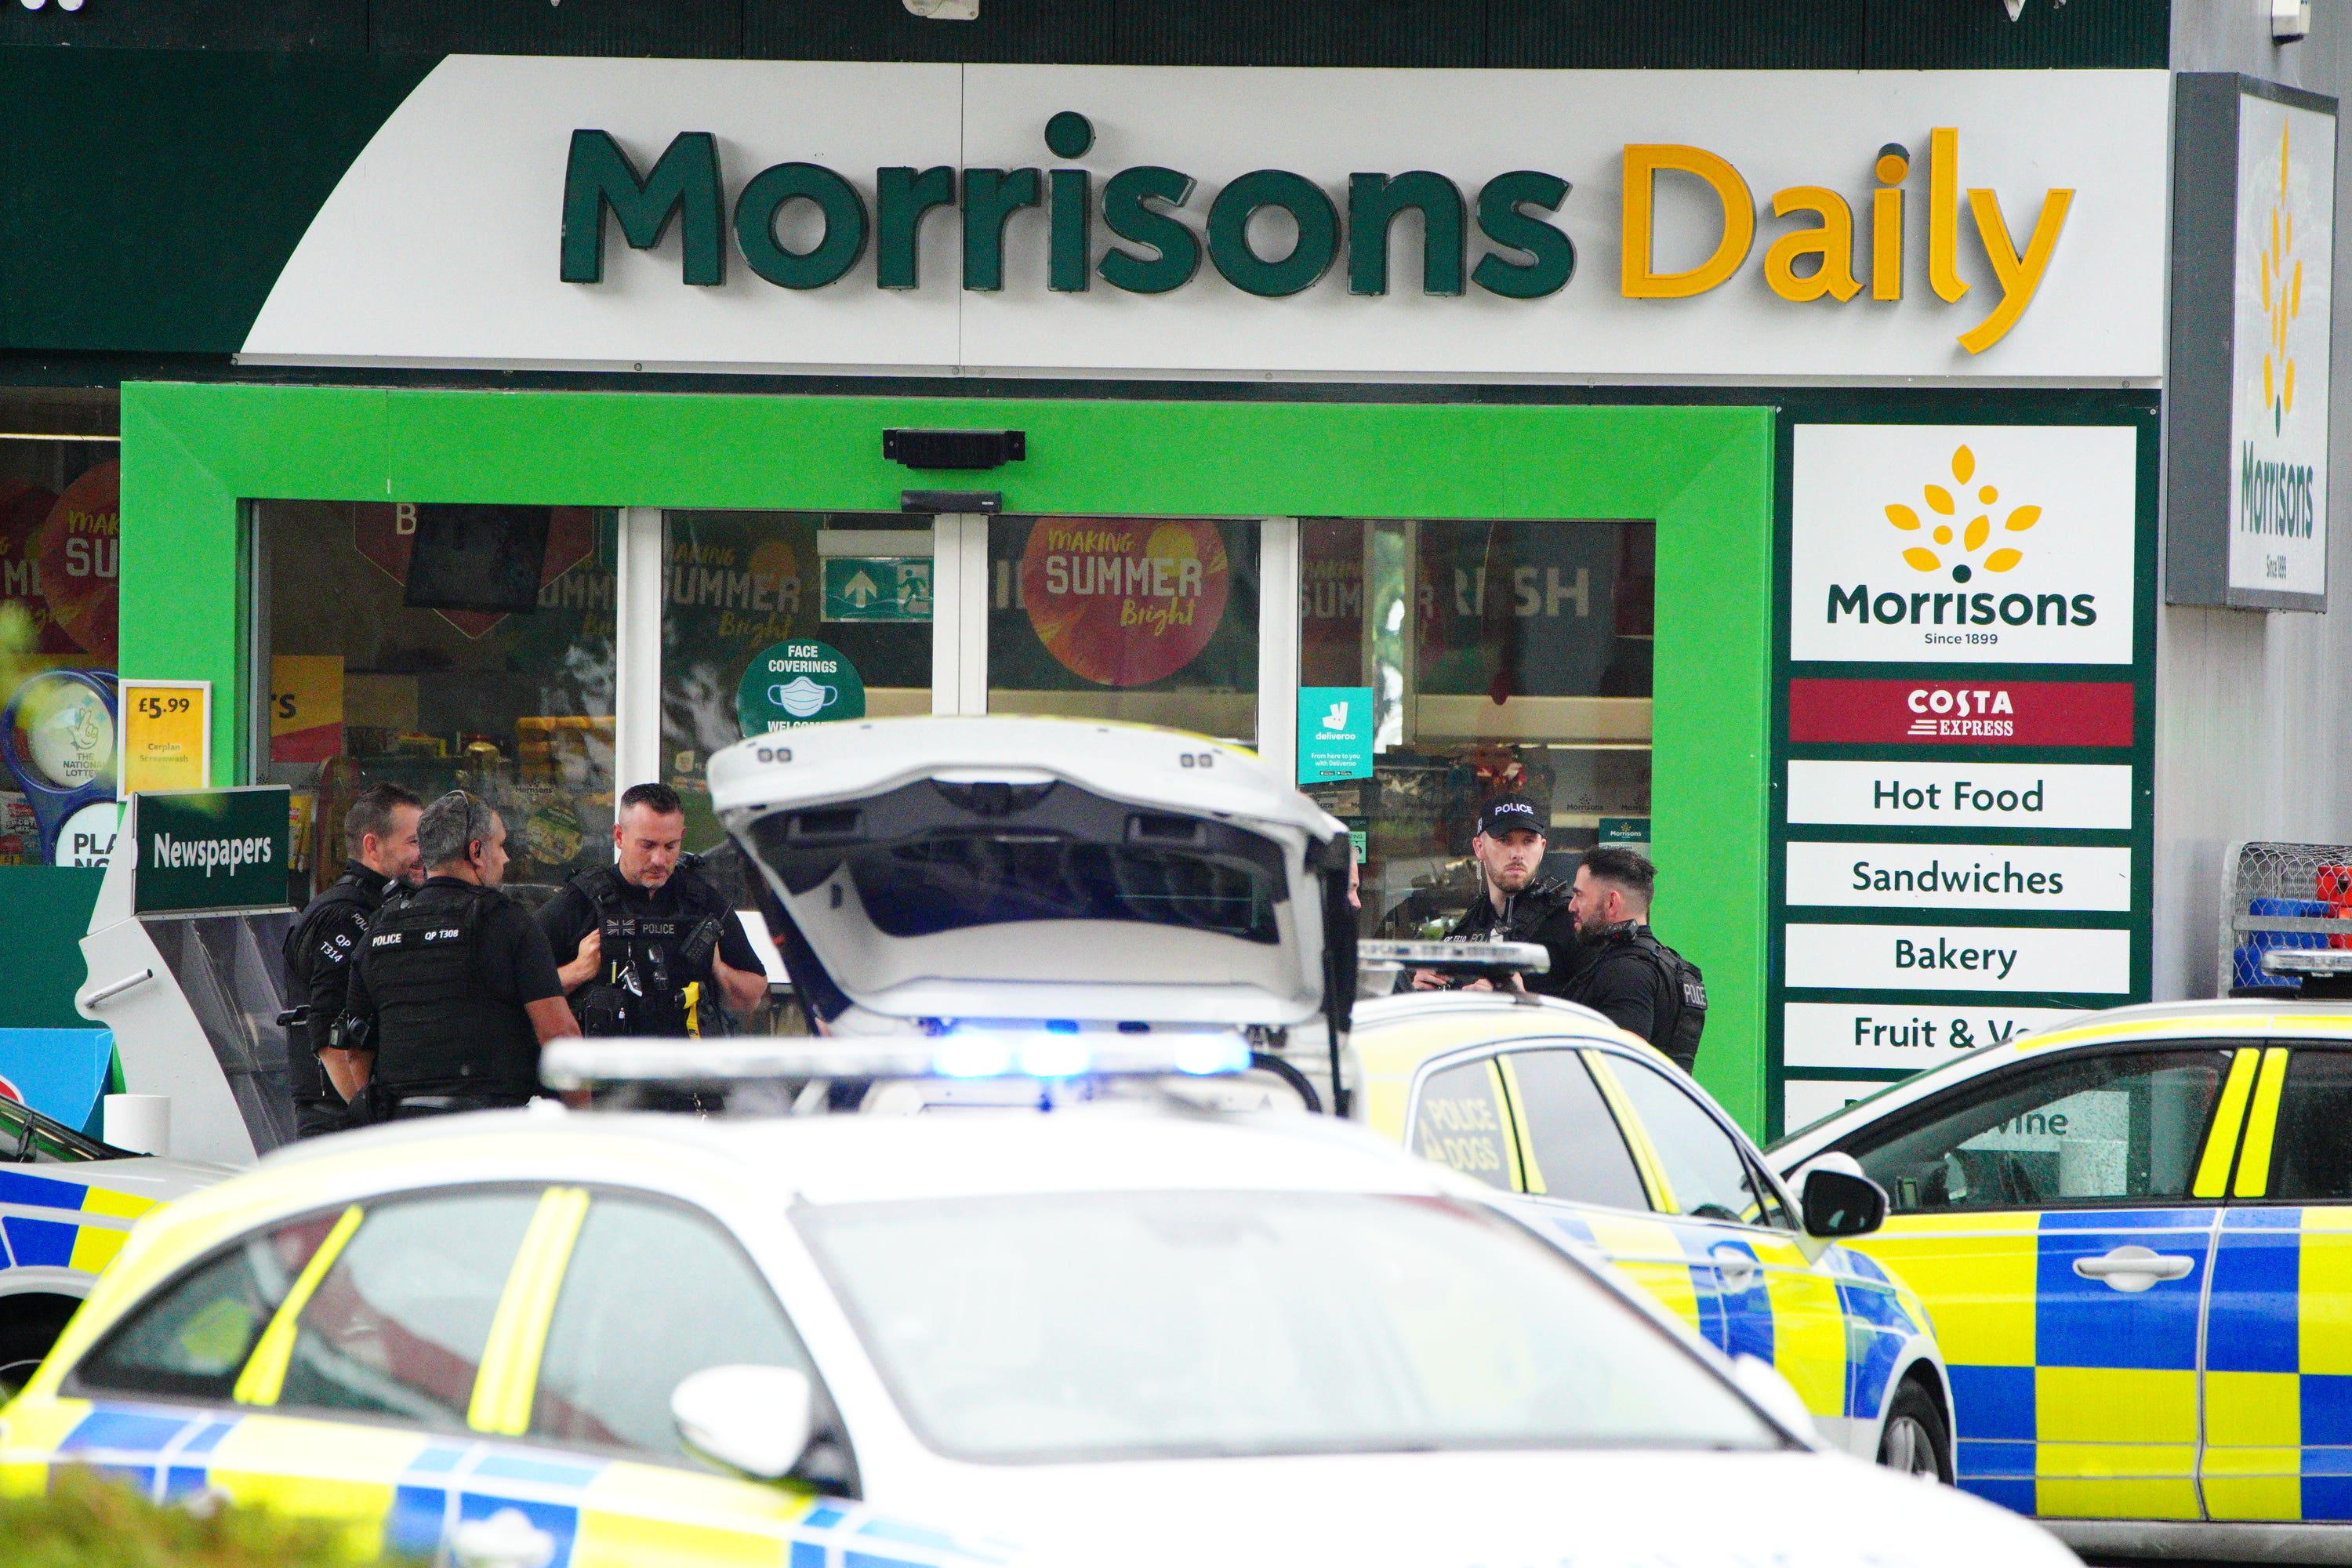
(380, 835)
(456, 989)
(656, 949)
(1521, 904)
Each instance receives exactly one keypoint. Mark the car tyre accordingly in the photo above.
(1915, 1439)
(29, 1325)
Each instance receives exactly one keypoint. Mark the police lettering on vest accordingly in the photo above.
(439, 1030)
(656, 971)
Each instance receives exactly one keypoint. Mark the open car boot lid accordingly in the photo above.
(1042, 872)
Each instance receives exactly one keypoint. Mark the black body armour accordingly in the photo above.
(438, 1030)
(650, 959)
(356, 894)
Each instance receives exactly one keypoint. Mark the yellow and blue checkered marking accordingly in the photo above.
(168, 1453)
(1844, 1369)
(2278, 1356)
(1877, 1328)
(2072, 1399)
(56, 1237)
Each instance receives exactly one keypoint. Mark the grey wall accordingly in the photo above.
(2254, 709)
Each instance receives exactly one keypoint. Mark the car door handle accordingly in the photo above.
(1734, 1267)
(2132, 1269)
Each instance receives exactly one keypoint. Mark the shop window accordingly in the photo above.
(745, 590)
(1497, 658)
(59, 564)
(441, 648)
(1150, 620)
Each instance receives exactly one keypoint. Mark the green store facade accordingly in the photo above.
(1644, 441)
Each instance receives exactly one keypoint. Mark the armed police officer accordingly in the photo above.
(456, 989)
(1641, 984)
(655, 948)
(1521, 903)
(380, 837)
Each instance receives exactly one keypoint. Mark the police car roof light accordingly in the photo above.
(1386, 957)
(964, 1052)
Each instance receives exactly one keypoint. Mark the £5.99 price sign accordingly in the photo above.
(166, 739)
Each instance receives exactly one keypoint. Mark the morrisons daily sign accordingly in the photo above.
(1763, 225)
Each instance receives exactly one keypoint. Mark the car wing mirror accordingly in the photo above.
(1842, 1203)
(754, 1420)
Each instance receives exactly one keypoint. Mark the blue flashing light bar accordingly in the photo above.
(964, 1051)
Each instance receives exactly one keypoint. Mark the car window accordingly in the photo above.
(654, 1292)
(2312, 1158)
(1458, 1122)
(190, 1340)
(1571, 1146)
(2120, 1127)
(398, 1322)
(29, 1138)
(1776, 1213)
(1699, 1160)
(1085, 1327)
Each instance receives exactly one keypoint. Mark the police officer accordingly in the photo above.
(456, 989)
(380, 837)
(1520, 904)
(656, 949)
(1641, 984)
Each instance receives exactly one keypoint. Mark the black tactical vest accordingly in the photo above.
(438, 1030)
(650, 958)
(360, 890)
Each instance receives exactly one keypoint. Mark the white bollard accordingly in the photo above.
(139, 1122)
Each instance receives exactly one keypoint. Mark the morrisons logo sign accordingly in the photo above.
(1530, 257)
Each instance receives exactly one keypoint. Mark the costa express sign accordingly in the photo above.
(1527, 255)
(1961, 712)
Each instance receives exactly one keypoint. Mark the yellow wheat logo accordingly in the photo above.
(1945, 507)
(2281, 301)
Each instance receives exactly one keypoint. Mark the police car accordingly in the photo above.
(1606, 1143)
(2136, 1235)
(1110, 881)
(67, 1203)
(1122, 1332)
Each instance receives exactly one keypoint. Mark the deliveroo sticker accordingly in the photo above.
(1335, 733)
(796, 683)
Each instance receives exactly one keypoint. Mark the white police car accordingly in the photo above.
(1120, 1332)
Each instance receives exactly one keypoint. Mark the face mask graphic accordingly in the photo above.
(801, 698)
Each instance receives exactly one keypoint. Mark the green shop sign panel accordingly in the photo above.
(212, 849)
(891, 588)
(795, 683)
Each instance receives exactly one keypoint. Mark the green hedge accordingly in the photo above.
(89, 1521)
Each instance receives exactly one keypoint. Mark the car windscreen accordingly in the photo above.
(934, 856)
(29, 1138)
(1076, 1327)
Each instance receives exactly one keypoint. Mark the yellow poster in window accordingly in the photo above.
(166, 735)
(306, 707)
